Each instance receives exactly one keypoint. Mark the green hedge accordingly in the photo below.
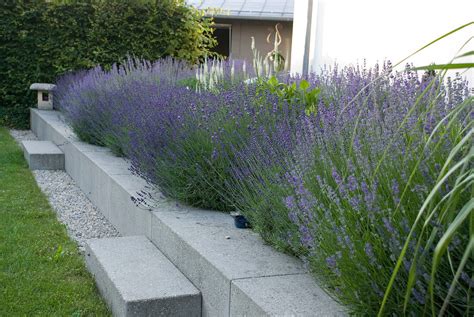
(41, 39)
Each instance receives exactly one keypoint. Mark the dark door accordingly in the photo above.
(223, 34)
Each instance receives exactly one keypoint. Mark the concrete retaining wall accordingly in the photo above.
(239, 275)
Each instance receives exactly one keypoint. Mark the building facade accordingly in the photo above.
(237, 21)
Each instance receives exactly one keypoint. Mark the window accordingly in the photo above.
(223, 34)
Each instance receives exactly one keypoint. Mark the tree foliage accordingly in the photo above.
(41, 39)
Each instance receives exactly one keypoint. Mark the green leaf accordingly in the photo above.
(273, 81)
(442, 245)
(445, 66)
(465, 54)
(58, 254)
(304, 85)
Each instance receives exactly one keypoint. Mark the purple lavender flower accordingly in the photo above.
(465, 277)
(307, 239)
(290, 202)
(337, 178)
(331, 262)
(377, 289)
(395, 191)
(419, 296)
(388, 226)
(352, 183)
(369, 252)
(215, 154)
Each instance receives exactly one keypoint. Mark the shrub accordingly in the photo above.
(144, 111)
(40, 40)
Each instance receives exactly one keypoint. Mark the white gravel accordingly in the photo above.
(21, 135)
(82, 219)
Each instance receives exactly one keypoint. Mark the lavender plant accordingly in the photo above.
(97, 102)
(340, 185)
(325, 190)
(169, 131)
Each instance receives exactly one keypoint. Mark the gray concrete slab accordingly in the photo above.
(51, 126)
(288, 295)
(136, 279)
(128, 218)
(35, 123)
(85, 147)
(43, 155)
(108, 162)
(242, 254)
(73, 161)
(211, 252)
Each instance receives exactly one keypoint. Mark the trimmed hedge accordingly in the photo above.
(40, 40)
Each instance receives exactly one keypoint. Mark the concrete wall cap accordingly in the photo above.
(42, 87)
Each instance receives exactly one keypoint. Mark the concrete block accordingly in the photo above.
(90, 178)
(86, 147)
(196, 242)
(73, 161)
(100, 196)
(124, 214)
(38, 125)
(51, 126)
(34, 124)
(43, 155)
(89, 175)
(287, 295)
(108, 162)
(136, 279)
(213, 285)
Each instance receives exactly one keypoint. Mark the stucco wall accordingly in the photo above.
(243, 30)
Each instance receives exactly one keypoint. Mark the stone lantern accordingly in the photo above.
(45, 95)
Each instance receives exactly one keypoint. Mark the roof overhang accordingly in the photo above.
(275, 10)
(251, 17)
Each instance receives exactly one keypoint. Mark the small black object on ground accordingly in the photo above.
(240, 221)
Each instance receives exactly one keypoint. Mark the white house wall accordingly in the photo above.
(347, 31)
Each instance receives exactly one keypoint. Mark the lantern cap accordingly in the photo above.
(42, 87)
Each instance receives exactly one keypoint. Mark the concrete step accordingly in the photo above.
(136, 279)
(43, 155)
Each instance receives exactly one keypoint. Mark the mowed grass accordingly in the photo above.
(41, 270)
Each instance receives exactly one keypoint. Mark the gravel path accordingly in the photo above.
(82, 219)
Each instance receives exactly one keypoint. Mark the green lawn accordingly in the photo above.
(41, 271)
